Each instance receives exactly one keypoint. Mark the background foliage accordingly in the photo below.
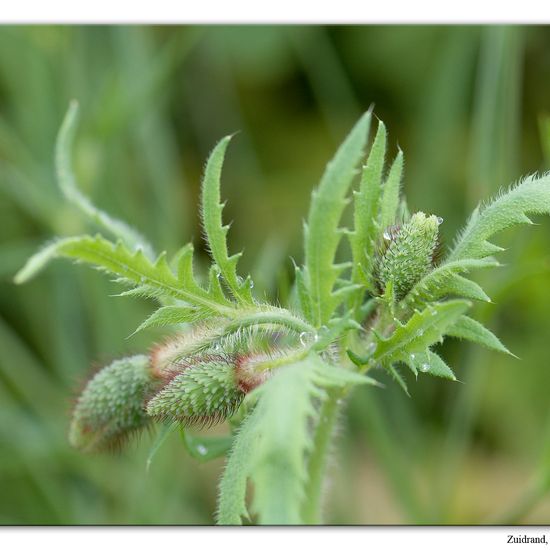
(468, 105)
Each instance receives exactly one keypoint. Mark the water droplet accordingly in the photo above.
(306, 338)
(425, 367)
(202, 450)
(251, 284)
(412, 356)
(439, 220)
(218, 275)
(386, 236)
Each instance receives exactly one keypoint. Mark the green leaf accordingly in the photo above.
(332, 376)
(397, 377)
(159, 441)
(469, 329)
(390, 197)
(532, 195)
(205, 449)
(66, 181)
(322, 234)
(281, 452)
(232, 496)
(422, 330)
(273, 443)
(366, 208)
(171, 315)
(428, 362)
(303, 294)
(214, 229)
(133, 268)
(445, 281)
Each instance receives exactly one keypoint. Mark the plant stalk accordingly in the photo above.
(319, 458)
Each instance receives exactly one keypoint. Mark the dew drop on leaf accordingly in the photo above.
(386, 236)
(202, 450)
(439, 220)
(425, 367)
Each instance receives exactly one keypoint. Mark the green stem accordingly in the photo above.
(319, 458)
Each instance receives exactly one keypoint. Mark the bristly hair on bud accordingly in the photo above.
(407, 253)
(202, 392)
(110, 409)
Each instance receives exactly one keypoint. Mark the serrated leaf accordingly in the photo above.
(171, 315)
(442, 281)
(422, 330)
(397, 377)
(322, 235)
(428, 362)
(390, 196)
(366, 209)
(67, 183)
(232, 496)
(469, 329)
(273, 444)
(215, 231)
(281, 452)
(205, 449)
(332, 376)
(531, 195)
(132, 267)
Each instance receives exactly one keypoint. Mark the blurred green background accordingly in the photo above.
(470, 108)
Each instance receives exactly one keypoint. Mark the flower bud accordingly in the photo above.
(110, 408)
(203, 392)
(408, 253)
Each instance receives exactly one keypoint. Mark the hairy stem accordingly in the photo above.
(319, 457)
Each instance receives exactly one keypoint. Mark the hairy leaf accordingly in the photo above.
(428, 362)
(532, 195)
(445, 281)
(422, 330)
(390, 197)
(322, 234)
(232, 495)
(274, 441)
(133, 268)
(469, 329)
(216, 232)
(366, 207)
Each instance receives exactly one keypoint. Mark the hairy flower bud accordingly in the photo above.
(168, 356)
(408, 254)
(203, 392)
(110, 408)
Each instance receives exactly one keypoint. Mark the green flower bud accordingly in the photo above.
(110, 408)
(408, 254)
(202, 393)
